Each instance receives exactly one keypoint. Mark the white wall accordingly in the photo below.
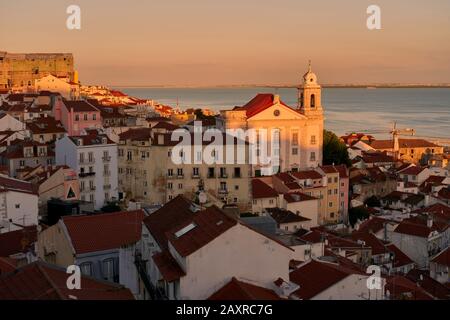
(239, 252)
(27, 211)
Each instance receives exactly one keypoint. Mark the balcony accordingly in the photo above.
(211, 175)
(92, 188)
(86, 174)
(180, 176)
(86, 161)
(223, 176)
(223, 191)
(195, 176)
(155, 292)
(106, 159)
(107, 187)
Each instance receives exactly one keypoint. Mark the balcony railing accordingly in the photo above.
(86, 174)
(223, 176)
(106, 159)
(107, 173)
(155, 292)
(223, 191)
(87, 161)
(92, 188)
(195, 176)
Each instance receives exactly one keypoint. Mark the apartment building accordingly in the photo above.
(147, 172)
(94, 157)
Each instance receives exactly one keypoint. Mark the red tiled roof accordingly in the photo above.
(259, 103)
(437, 210)
(165, 125)
(175, 212)
(7, 265)
(90, 233)
(17, 241)
(92, 138)
(444, 193)
(41, 281)
(417, 226)
(315, 277)
(11, 184)
(399, 286)
(136, 134)
(412, 171)
(400, 258)
(208, 225)
(329, 169)
(262, 190)
(442, 258)
(285, 177)
(312, 237)
(239, 290)
(307, 174)
(168, 266)
(282, 216)
(403, 143)
(423, 280)
(370, 240)
(80, 106)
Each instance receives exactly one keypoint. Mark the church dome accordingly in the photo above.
(309, 77)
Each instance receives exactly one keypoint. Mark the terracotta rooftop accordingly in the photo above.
(282, 216)
(307, 174)
(400, 258)
(412, 171)
(80, 106)
(17, 241)
(442, 258)
(403, 143)
(240, 290)
(262, 190)
(297, 197)
(11, 184)
(41, 281)
(91, 233)
(314, 277)
(259, 103)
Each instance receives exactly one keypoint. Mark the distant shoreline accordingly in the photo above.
(337, 86)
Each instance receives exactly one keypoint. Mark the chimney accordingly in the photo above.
(429, 221)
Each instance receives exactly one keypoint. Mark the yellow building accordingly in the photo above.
(22, 69)
(410, 150)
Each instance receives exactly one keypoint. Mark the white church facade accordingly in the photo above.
(298, 130)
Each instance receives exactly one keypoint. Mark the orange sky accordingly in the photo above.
(208, 42)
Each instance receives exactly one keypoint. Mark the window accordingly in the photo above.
(211, 173)
(271, 201)
(335, 179)
(17, 205)
(294, 151)
(85, 117)
(180, 172)
(94, 117)
(313, 139)
(169, 172)
(329, 192)
(330, 180)
(330, 204)
(237, 172)
(22, 163)
(86, 268)
(295, 138)
(223, 172)
(313, 156)
(77, 117)
(195, 172)
(180, 186)
(108, 269)
(254, 202)
(169, 186)
(313, 101)
(120, 152)
(335, 191)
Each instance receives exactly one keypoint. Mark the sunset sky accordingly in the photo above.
(208, 42)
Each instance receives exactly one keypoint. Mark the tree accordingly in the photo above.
(358, 213)
(373, 201)
(334, 151)
(111, 207)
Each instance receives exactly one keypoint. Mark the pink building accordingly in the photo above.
(344, 185)
(77, 115)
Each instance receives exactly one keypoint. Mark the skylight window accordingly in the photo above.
(185, 230)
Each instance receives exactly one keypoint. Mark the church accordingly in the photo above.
(299, 130)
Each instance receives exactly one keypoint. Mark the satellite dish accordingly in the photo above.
(202, 198)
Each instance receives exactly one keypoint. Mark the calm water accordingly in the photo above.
(346, 110)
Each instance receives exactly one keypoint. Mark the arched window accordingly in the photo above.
(313, 101)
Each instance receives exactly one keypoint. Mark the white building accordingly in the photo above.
(67, 88)
(9, 123)
(18, 204)
(189, 251)
(94, 157)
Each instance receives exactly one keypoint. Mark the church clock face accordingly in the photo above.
(276, 113)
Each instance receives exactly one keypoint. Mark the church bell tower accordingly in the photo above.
(310, 95)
